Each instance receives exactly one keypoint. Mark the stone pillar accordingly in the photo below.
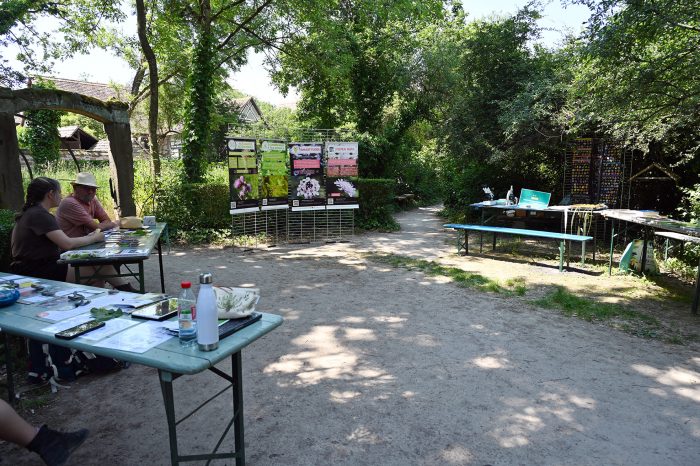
(121, 164)
(11, 190)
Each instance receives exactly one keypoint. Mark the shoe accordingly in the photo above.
(55, 447)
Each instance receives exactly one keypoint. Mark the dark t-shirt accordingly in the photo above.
(29, 240)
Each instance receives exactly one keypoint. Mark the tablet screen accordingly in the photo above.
(157, 311)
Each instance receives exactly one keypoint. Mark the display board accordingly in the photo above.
(244, 186)
(306, 187)
(273, 175)
(341, 174)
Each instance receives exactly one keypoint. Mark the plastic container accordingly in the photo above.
(187, 315)
(207, 321)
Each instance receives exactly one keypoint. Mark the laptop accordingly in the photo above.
(531, 199)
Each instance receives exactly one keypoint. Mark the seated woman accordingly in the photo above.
(37, 240)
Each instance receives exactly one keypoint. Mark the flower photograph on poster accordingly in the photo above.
(245, 187)
(306, 187)
(345, 187)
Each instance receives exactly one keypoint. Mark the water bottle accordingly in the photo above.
(207, 321)
(187, 315)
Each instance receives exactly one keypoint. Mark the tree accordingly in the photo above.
(80, 24)
(223, 32)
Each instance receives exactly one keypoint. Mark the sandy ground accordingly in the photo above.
(382, 366)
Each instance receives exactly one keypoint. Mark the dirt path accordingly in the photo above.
(378, 365)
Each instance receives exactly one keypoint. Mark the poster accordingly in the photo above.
(243, 175)
(341, 175)
(274, 173)
(306, 188)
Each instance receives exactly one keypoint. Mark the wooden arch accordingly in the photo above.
(112, 114)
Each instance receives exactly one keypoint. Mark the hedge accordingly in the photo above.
(7, 221)
(376, 204)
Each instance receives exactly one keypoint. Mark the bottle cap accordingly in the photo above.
(205, 278)
(185, 284)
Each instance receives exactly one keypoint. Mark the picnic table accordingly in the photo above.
(169, 358)
(684, 231)
(131, 248)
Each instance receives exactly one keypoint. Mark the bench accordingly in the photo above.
(561, 237)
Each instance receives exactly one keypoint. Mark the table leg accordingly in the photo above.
(481, 234)
(466, 243)
(561, 255)
(644, 250)
(166, 387)
(696, 299)
(8, 367)
(612, 243)
(77, 273)
(237, 373)
(494, 241)
(142, 284)
(594, 221)
(583, 252)
(160, 264)
(666, 250)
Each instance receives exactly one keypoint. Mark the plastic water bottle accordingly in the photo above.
(187, 315)
(207, 321)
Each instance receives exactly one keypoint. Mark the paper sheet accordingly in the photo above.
(111, 327)
(137, 339)
(64, 313)
(36, 299)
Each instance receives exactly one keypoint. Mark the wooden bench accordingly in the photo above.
(561, 237)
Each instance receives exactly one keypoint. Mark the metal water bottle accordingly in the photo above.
(207, 321)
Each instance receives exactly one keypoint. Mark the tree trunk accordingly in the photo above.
(150, 57)
(196, 133)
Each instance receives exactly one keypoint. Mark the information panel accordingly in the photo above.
(341, 175)
(273, 175)
(243, 175)
(306, 188)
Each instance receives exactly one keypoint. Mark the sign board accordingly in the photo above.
(306, 188)
(243, 175)
(273, 175)
(341, 175)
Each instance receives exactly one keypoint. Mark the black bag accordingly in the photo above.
(56, 363)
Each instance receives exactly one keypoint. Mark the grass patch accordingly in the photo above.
(460, 277)
(587, 309)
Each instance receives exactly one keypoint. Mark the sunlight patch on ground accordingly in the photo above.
(352, 320)
(360, 334)
(343, 397)
(424, 339)
(685, 382)
(364, 435)
(323, 356)
(490, 362)
(390, 319)
(456, 454)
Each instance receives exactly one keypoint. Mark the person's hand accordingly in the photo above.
(97, 236)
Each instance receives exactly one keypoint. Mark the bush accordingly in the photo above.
(188, 207)
(376, 204)
(7, 221)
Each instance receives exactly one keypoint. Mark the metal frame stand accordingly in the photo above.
(236, 383)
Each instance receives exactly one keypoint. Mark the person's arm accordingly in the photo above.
(71, 212)
(64, 242)
(102, 217)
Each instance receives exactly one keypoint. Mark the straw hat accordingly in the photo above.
(86, 179)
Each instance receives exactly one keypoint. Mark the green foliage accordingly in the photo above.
(460, 277)
(588, 309)
(41, 136)
(375, 211)
(7, 222)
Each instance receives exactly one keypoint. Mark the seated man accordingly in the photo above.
(78, 214)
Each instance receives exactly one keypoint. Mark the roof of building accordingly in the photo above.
(248, 109)
(87, 140)
(100, 91)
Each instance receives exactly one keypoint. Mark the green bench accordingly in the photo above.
(562, 238)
